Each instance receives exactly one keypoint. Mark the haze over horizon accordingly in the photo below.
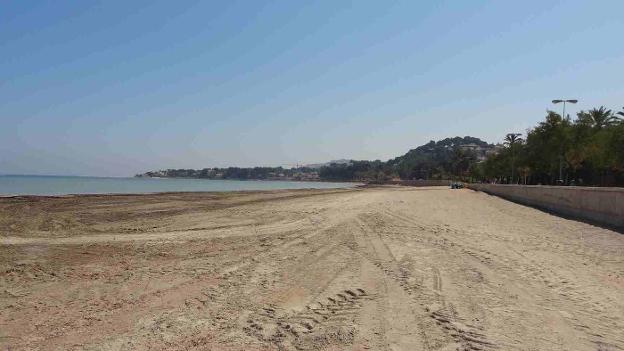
(117, 88)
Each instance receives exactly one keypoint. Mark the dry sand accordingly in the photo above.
(360, 269)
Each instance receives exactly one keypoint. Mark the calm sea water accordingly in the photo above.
(61, 185)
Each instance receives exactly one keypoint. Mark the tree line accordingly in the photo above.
(587, 150)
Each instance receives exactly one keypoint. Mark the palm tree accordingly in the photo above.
(601, 117)
(511, 140)
(621, 113)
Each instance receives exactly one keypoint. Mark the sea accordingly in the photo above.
(66, 185)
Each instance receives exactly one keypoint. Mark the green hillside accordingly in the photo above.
(434, 160)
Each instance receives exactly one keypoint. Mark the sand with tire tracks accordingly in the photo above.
(389, 268)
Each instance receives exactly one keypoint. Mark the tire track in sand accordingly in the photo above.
(433, 302)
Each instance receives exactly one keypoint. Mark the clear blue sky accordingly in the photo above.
(119, 87)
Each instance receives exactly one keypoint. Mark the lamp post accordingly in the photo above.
(572, 101)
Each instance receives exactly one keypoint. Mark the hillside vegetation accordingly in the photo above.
(443, 159)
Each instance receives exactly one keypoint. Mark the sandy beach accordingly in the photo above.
(387, 268)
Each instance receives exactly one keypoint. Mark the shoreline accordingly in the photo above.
(17, 186)
(178, 193)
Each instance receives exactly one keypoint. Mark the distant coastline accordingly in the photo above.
(319, 180)
(237, 173)
(78, 185)
(432, 161)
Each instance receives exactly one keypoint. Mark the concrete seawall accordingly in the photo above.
(599, 205)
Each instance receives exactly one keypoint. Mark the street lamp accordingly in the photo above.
(564, 102)
(572, 101)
